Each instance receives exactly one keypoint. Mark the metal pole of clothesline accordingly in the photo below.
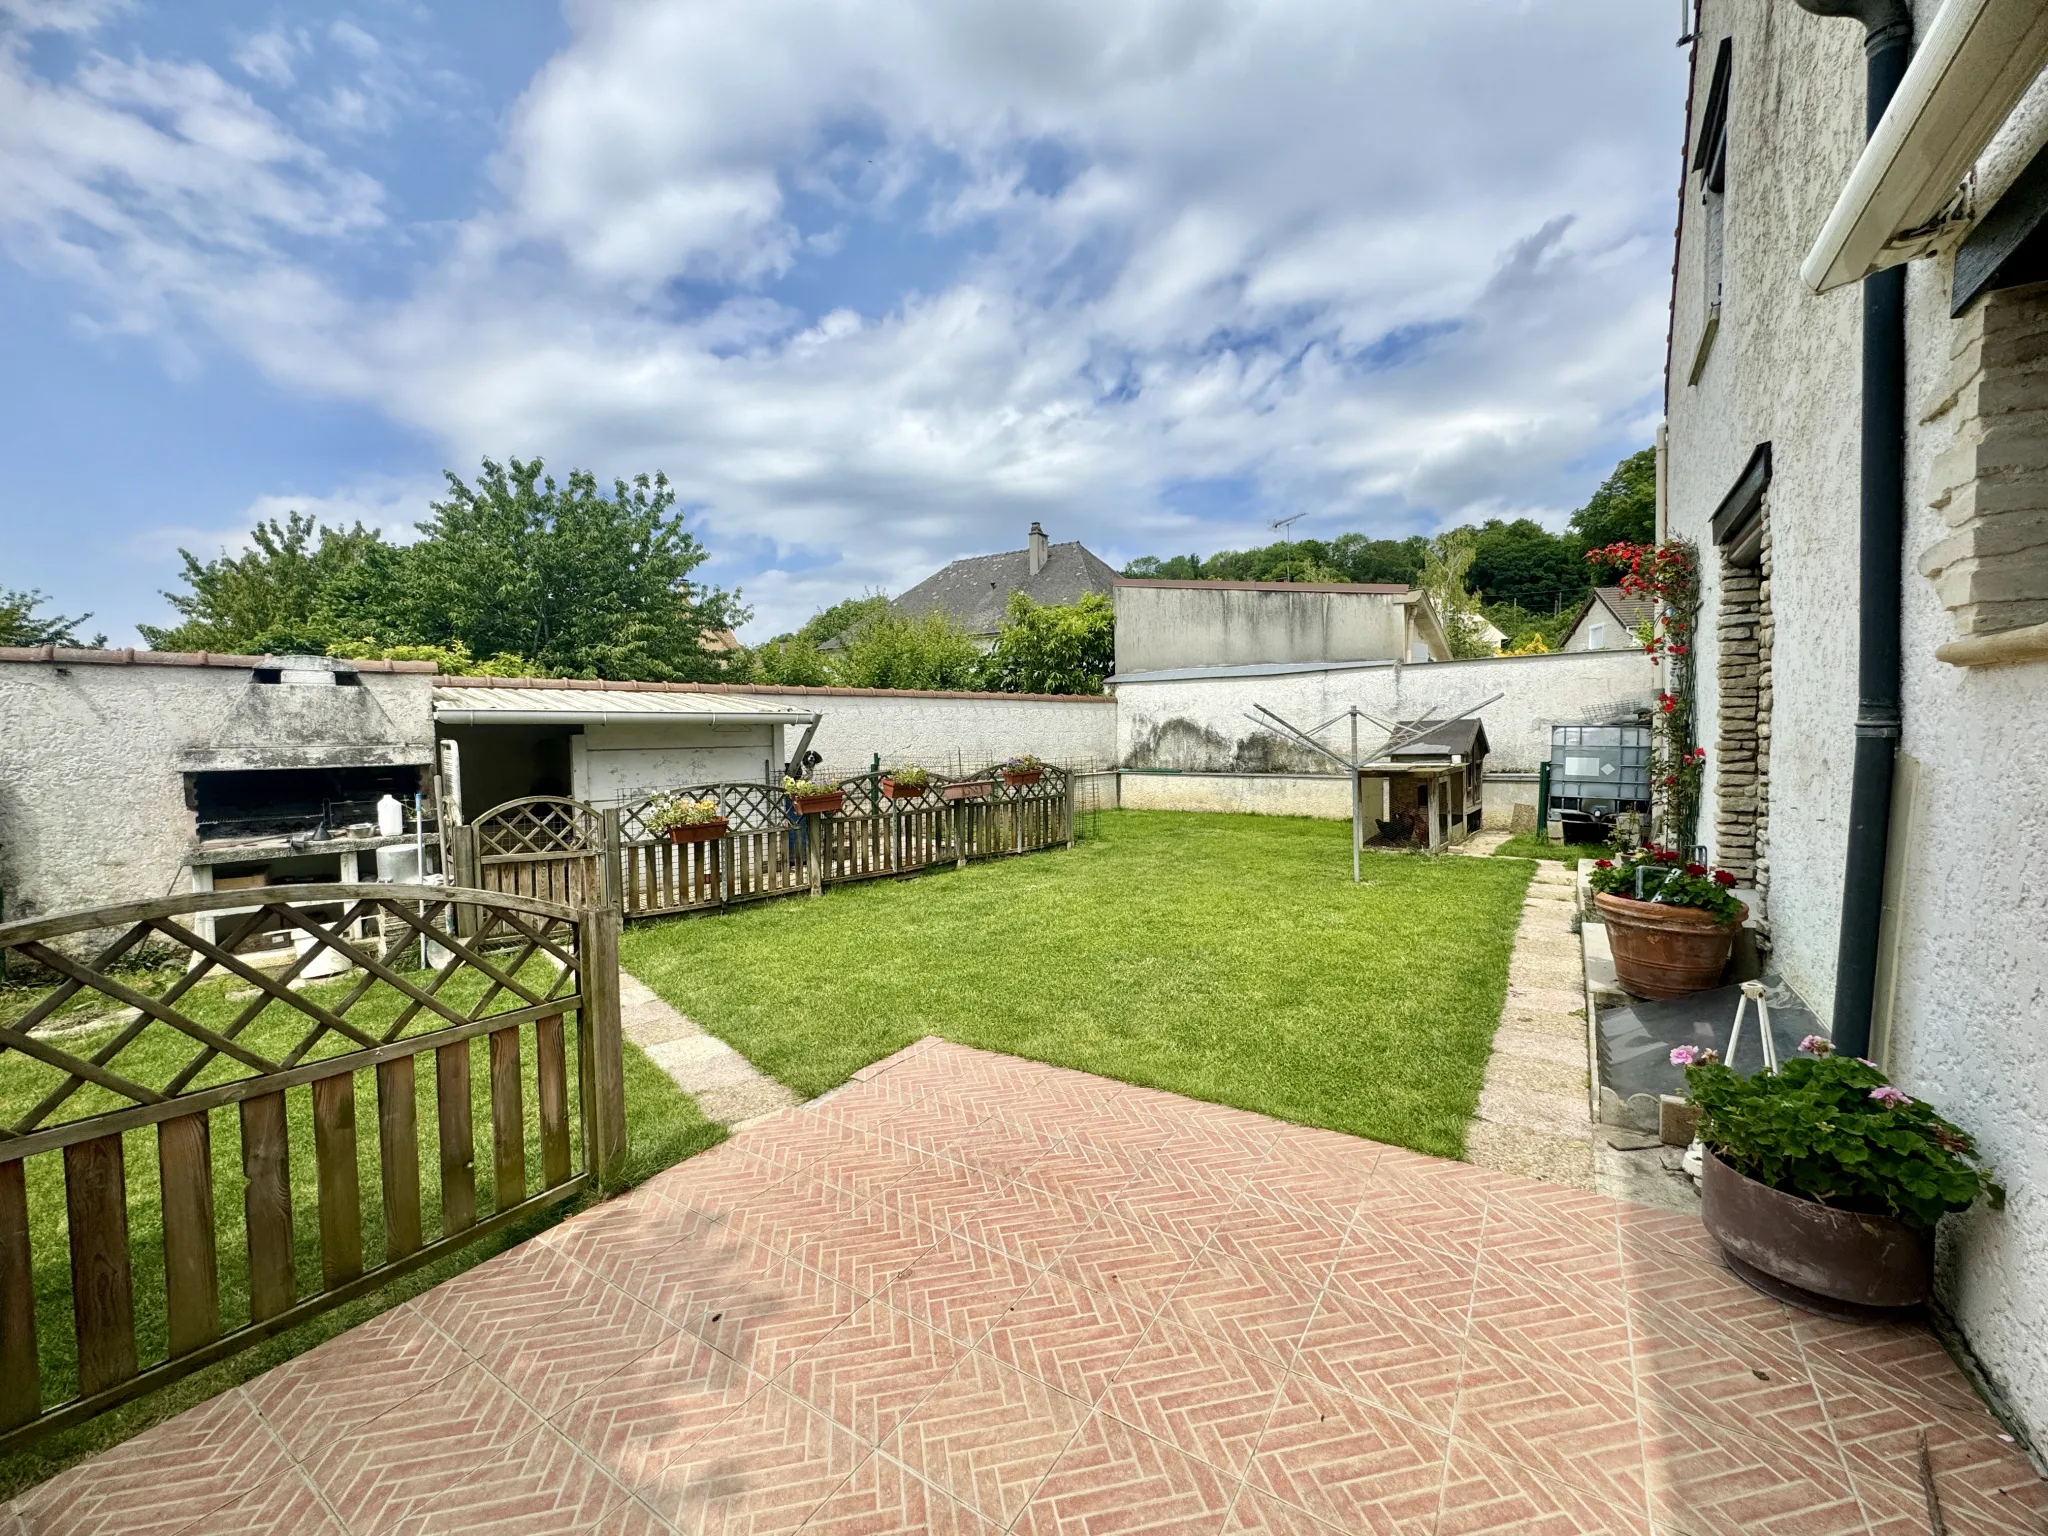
(1350, 767)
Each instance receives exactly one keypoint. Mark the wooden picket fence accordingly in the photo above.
(288, 1055)
(550, 843)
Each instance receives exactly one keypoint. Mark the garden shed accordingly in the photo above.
(1426, 786)
(605, 743)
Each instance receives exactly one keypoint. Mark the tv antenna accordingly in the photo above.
(1281, 525)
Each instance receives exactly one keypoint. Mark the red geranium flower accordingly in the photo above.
(1695, 870)
(1722, 877)
(1603, 863)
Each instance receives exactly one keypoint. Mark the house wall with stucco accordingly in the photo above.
(1963, 1016)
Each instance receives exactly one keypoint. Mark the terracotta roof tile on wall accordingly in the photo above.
(766, 689)
(82, 656)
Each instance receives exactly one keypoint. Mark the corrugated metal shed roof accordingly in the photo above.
(480, 706)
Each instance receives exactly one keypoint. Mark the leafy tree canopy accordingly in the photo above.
(1525, 564)
(513, 574)
(274, 598)
(1068, 649)
(1624, 509)
(1521, 565)
(891, 651)
(20, 624)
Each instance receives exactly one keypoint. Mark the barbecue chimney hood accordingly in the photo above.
(307, 712)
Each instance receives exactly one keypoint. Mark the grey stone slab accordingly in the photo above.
(745, 1101)
(703, 1062)
(1557, 1113)
(1534, 1154)
(660, 1031)
(1566, 1046)
(1537, 1074)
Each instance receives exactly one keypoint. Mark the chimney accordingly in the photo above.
(1038, 549)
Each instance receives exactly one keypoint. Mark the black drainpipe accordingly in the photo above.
(1888, 41)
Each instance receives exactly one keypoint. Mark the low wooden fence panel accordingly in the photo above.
(769, 851)
(224, 1074)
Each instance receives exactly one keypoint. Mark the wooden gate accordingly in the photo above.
(544, 846)
(180, 1167)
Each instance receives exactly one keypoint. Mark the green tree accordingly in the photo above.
(891, 651)
(790, 661)
(268, 600)
(1065, 649)
(831, 623)
(1443, 578)
(1624, 509)
(582, 584)
(1526, 564)
(20, 624)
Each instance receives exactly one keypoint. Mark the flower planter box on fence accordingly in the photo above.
(891, 790)
(1812, 1255)
(699, 831)
(1021, 779)
(1663, 951)
(971, 789)
(820, 805)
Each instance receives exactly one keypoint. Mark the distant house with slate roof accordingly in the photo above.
(975, 592)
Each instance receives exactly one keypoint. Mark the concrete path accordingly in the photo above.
(1533, 1115)
(724, 1083)
(973, 1295)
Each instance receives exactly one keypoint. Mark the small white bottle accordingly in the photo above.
(390, 818)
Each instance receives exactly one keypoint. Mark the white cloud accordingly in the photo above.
(1391, 265)
(76, 16)
(272, 56)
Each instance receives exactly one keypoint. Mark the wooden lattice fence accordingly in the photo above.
(770, 851)
(218, 1074)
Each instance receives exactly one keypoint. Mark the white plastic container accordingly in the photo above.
(390, 818)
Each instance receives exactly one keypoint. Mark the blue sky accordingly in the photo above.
(876, 284)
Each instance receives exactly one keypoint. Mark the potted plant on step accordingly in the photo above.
(967, 789)
(906, 783)
(1671, 924)
(1022, 770)
(813, 799)
(1823, 1183)
(686, 820)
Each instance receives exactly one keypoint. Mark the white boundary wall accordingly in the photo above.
(1197, 722)
(949, 731)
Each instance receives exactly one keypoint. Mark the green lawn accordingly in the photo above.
(1528, 847)
(1225, 957)
(663, 1127)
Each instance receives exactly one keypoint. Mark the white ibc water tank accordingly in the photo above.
(390, 818)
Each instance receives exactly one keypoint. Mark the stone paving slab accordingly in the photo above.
(970, 1293)
(727, 1088)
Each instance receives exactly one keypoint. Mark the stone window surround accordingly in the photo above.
(1991, 483)
(1744, 633)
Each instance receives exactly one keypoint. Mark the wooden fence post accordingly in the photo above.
(814, 852)
(602, 1032)
(1067, 799)
(612, 883)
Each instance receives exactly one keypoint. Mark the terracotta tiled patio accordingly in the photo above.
(970, 1294)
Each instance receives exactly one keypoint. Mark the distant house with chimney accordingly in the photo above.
(975, 592)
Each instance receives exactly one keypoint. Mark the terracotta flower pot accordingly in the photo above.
(1663, 951)
(891, 790)
(820, 805)
(1020, 779)
(1836, 1262)
(968, 789)
(699, 831)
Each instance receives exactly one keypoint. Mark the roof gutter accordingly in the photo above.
(613, 717)
(1975, 64)
(1888, 41)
